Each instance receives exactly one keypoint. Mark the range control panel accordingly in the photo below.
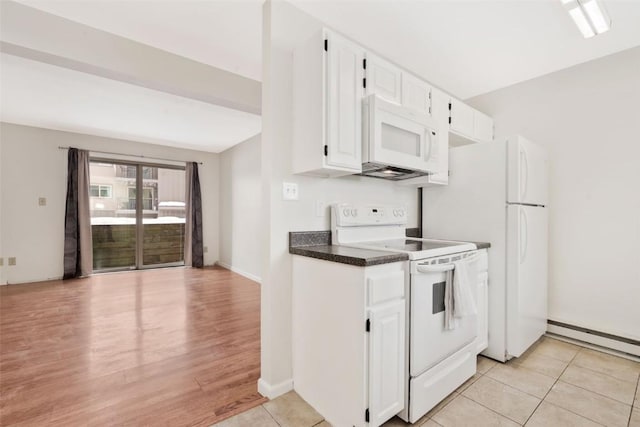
(359, 215)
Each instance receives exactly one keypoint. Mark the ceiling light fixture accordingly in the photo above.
(589, 15)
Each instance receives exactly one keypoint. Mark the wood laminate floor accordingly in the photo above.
(176, 346)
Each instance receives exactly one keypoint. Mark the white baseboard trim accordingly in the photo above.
(239, 271)
(592, 340)
(272, 391)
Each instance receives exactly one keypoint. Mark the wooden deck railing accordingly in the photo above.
(115, 245)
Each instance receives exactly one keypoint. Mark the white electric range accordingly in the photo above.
(438, 360)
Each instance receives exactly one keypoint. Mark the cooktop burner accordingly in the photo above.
(410, 245)
(416, 248)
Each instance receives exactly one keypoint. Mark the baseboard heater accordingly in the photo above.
(602, 339)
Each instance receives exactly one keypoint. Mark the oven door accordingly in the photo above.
(398, 136)
(430, 342)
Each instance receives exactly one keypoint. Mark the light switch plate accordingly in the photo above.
(289, 191)
(42, 201)
(1, 262)
(12, 260)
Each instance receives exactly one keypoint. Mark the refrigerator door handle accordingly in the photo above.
(524, 174)
(524, 235)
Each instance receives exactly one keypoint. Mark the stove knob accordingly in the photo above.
(354, 212)
(401, 212)
(346, 212)
(395, 212)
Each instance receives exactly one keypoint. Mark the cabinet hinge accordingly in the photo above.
(449, 106)
(368, 325)
(364, 83)
(449, 119)
(366, 415)
(326, 150)
(429, 110)
(364, 63)
(326, 45)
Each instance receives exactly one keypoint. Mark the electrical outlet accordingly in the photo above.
(205, 249)
(289, 191)
(1, 262)
(42, 201)
(321, 207)
(12, 260)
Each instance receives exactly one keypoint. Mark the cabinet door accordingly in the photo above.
(416, 94)
(461, 118)
(440, 112)
(384, 79)
(343, 96)
(386, 361)
(482, 341)
(482, 127)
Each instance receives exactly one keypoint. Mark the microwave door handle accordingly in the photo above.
(440, 268)
(428, 142)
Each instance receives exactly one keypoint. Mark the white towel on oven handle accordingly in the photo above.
(465, 278)
(449, 319)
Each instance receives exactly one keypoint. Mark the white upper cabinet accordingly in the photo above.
(461, 118)
(395, 85)
(482, 126)
(331, 77)
(469, 125)
(344, 74)
(328, 79)
(416, 94)
(383, 79)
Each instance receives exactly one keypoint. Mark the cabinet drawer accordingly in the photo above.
(430, 388)
(385, 287)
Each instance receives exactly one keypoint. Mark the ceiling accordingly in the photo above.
(38, 94)
(226, 34)
(467, 47)
(473, 47)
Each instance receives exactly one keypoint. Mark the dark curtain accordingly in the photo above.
(77, 222)
(71, 228)
(197, 252)
(193, 250)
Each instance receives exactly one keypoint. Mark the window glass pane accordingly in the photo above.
(113, 189)
(105, 191)
(164, 213)
(113, 221)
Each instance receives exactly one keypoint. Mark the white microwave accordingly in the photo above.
(397, 142)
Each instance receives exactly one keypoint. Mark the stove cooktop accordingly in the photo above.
(417, 248)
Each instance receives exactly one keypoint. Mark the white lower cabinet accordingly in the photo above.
(386, 361)
(349, 328)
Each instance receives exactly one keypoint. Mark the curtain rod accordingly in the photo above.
(131, 155)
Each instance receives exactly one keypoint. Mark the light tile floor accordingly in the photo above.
(553, 384)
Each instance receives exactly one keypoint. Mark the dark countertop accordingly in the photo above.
(347, 255)
(317, 244)
(482, 245)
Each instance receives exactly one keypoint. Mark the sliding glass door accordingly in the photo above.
(137, 215)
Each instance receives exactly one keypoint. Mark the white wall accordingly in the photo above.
(33, 166)
(284, 26)
(241, 226)
(588, 117)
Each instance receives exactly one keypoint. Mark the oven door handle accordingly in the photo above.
(440, 268)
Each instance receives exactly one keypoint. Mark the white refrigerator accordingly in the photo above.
(498, 193)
